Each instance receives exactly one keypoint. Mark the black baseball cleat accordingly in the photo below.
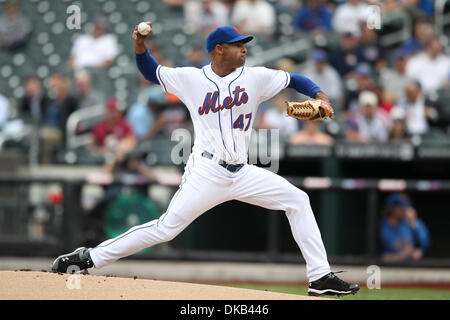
(330, 284)
(73, 262)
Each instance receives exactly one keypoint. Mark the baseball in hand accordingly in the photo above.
(144, 29)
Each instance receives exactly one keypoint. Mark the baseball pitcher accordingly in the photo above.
(223, 98)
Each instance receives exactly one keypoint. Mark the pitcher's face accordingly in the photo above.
(234, 54)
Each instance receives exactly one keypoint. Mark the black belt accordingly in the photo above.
(230, 167)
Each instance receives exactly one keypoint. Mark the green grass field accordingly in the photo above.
(363, 294)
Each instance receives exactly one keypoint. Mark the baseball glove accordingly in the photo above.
(310, 110)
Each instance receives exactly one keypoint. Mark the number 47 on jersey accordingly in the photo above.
(239, 123)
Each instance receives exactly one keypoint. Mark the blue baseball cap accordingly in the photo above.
(225, 34)
(397, 200)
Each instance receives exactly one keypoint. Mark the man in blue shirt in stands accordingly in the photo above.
(403, 235)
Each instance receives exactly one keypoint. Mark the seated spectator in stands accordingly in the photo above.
(313, 16)
(395, 79)
(359, 80)
(14, 27)
(415, 109)
(370, 47)
(404, 236)
(113, 137)
(388, 100)
(33, 105)
(95, 50)
(350, 15)
(438, 108)
(398, 131)
(325, 76)
(423, 33)
(370, 121)
(275, 116)
(311, 135)
(205, 15)
(430, 68)
(142, 115)
(254, 17)
(348, 55)
(352, 133)
(4, 110)
(195, 57)
(87, 96)
(60, 106)
(173, 116)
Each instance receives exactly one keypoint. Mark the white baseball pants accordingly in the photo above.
(206, 184)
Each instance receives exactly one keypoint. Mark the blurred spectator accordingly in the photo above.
(311, 135)
(142, 115)
(254, 17)
(173, 116)
(33, 105)
(14, 27)
(113, 137)
(404, 236)
(359, 80)
(395, 79)
(275, 117)
(97, 49)
(205, 15)
(313, 16)
(370, 122)
(195, 57)
(87, 96)
(398, 132)
(371, 49)
(4, 110)
(348, 55)
(325, 76)
(388, 100)
(61, 105)
(430, 68)
(438, 109)
(423, 33)
(352, 133)
(415, 110)
(349, 16)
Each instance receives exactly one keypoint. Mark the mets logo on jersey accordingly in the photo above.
(210, 102)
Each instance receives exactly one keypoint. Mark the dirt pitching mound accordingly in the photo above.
(20, 285)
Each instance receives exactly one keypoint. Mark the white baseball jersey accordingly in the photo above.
(223, 108)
